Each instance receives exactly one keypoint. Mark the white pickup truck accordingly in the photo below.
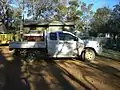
(57, 44)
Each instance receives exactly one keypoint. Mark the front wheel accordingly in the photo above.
(88, 54)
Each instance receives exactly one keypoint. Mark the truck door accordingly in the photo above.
(52, 43)
(67, 45)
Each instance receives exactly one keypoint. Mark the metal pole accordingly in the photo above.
(6, 6)
(23, 11)
(33, 9)
(22, 22)
(23, 18)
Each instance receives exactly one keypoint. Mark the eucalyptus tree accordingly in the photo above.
(74, 12)
(101, 19)
(5, 14)
(40, 9)
(115, 20)
(48, 10)
(87, 16)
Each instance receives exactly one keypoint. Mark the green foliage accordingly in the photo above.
(61, 11)
(10, 16)
(79, 25)
(80, 13)
(101, 18)
(115, 19)
(74, 3)
(107, 20)
(47, 10)
(73, 12)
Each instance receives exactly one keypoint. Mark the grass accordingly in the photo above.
(111, 54)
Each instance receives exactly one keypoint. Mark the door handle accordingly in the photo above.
(60, 42)
(67, 42)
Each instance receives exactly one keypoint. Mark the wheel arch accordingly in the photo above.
(91, 49)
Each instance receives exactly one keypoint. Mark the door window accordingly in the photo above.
(53, 36)
(67, 37)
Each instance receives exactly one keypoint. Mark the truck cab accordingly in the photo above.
(64, 44)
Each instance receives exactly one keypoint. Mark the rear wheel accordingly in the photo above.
(88, 54)
(30, 56)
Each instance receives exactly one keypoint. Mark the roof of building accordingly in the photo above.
(46, 24)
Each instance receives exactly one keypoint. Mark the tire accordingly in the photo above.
(88, 54)
(30, 57)
(16, 52)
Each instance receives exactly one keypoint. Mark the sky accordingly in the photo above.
(101, 3)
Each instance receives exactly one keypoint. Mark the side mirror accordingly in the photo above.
(75, 39)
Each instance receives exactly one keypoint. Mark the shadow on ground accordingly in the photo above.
(52, 75)
(48, 75)
(60, 75)
(12, 72)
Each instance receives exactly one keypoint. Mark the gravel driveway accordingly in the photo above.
(68, 74)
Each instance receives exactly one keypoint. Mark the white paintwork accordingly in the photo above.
(67, 48)
(64, 48)
(95, 45)
(27, 45)
(59, 48)
(33, 34)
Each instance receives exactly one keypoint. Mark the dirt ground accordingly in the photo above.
(67, 74)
